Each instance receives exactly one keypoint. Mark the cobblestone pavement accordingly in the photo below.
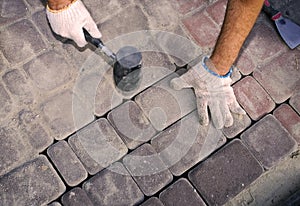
(147, 147)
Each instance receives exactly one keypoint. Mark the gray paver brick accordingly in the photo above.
(54, 204)
(131, 124)
(163, 105)
(217, 11)
(17, 49)
(244, 63)
(5, 102)
(11, 11)
(181, 193)
(226, 173)
(269, 141)
(186, 6)
(34, 183)
(67, 163)
(98, 145)
(253, 98)
(76, 197)
(147, 169)
(37, 5)
(113, 186)
(280, 76)
(44, 69)
(153, 201)
(186, 143)
(240, 123)
(295, 102)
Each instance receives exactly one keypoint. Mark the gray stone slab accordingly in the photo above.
(181, 193)
(37, 5)
(76, 197)
(34, 183)
(153, 201)
(54, 204)
(147, 169)
(131, 124)
(98, 145)
(269, 141)
(5, 102)
(11, 11)
(295, 102)
(67, 163)
(186, 143)
(113, 186)
(16, 49)
(240, 123)
(163, 105)
(225, 173)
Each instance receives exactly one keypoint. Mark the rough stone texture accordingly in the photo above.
(17, 49)
(131, 124)
(289, 119)
(76, 197)
(54, 204)
(181, 193)
(253, 98)
(147, 169)
(37, 5)
(5, 102)
(98, 145)
(11, 11)
(186, 6)
(269, 141)
(295, 102)
(280, 76)
(226, 173)
(240, 123)
(217, 11)
(67, 163)
(44, 69)
(153, 201)
(35, 183)
(163, 105)
(245, 63)
(113, 185)
(186, 143)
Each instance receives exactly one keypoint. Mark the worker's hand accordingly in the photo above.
(70, 21)
(211, 91)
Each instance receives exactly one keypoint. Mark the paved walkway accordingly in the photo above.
(68, 137)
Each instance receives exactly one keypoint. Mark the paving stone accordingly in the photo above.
(253, 98)
(147, 169)
(44, 69)
(67, 163)
(54, 204)
(97, 145)
(186, 143)
(113, 186)
(34, 183)
(181, 193)
(5, 102)
(244, 63)
(131, 124)
(16, 49)
(289, 119)
(240, 123)
(11, 11)
(295, 102)
(163, 105)
(217, 11)
(37, 5)
(280, 76)
(269, 141)
(65, 114)
(76, 197)
(225, 173)
(202, 29)
(153, 201)
(185, 7)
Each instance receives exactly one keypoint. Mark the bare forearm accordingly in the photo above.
(58, 4)
(239, 19)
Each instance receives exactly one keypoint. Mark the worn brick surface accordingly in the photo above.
(76, 197)
(37, 5)
(131, 124)
(11, 11)
(147, 169)
(5, 102)
(186, 143)
(17, 49)
(186, 6)
(164, 105)
(217, 11)
(289, 119)
(245, 63)
(44, 69)
(253, 98)
(226, 173)
(113, 186)
(181, 193)
(153, 201)
(67, 163)
(97, 145)
(202, 29)
(240, 123)
(269, 141)
(295, 102)
(280, 76)
(34, 183)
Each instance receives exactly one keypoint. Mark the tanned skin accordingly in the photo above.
(58, 4)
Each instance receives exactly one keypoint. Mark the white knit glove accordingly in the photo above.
(70, 21)
(211, 90)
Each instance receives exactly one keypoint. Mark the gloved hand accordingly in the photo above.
(70, 21)
(211, 90)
